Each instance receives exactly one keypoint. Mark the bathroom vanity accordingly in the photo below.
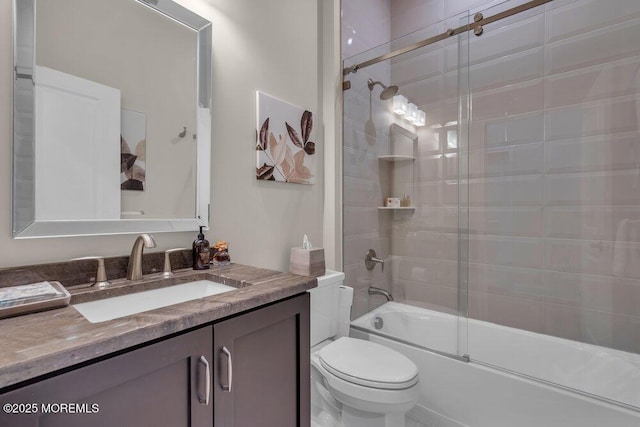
(234, 359)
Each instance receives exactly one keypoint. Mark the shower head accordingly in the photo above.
(387, 91)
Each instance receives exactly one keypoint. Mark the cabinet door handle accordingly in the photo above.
(207, 381)
(227, 387)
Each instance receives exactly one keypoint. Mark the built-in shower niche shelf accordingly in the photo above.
(395, 158)
(403, 208)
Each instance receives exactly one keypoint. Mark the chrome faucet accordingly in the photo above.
(134, 270)
(377, 291)
(370, 260)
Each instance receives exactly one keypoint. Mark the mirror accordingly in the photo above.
(112, 117)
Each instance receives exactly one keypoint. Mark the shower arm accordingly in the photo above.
(387, 91)
(371, 84)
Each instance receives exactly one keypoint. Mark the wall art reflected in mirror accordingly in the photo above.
(112, 120)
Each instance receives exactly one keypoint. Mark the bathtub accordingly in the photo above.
(487, 391)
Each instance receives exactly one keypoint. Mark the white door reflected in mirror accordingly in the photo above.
(77, 148)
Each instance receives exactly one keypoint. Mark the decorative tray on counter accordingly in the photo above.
(15, 300)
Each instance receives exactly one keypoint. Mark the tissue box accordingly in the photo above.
(307, 262)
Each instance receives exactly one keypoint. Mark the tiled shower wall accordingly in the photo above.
(554, 189)
(560, 253)
(366, 136)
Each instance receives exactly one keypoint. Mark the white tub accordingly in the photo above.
(475, 394)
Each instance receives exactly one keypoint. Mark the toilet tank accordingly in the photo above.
(325, 306)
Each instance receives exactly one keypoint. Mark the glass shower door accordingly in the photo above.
(554, 180)
(402, 192)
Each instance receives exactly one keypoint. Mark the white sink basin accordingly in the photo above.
(125, 305)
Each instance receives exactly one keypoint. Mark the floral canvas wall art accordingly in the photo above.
(133, 151)
(285, 147)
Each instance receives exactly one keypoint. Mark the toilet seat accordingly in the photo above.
(368, 364)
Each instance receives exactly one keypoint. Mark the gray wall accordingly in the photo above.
(271, 46)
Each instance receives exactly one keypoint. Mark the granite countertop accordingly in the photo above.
(41, 343)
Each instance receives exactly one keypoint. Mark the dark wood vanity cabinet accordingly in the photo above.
(245, 371)
(262, 367)
(162, 384)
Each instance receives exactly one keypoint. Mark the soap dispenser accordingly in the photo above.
(201, 252)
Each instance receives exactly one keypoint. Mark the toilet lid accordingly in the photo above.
(368, 364)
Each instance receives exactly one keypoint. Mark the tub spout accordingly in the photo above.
(377, 291)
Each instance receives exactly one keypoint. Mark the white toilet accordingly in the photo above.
(354, 383)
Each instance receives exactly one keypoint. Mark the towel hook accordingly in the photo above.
(183, 133)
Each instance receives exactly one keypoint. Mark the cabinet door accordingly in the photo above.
(163, 384)
(261, 361)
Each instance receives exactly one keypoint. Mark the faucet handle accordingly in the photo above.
(371, 259)
(101, 274)
(167, 271)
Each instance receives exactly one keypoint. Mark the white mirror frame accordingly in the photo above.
(24, 224)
